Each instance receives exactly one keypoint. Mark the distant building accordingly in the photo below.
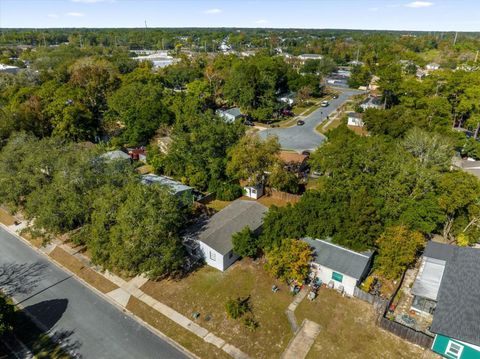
(115, 155)
(8, 69)
(432, 66)
(288, 98)
(338, 267)
(229, 115)
(212, 239)
(372, 102)
(177, 188)
(355, 119)
(138, 154)
(305, 57)
(293, 161)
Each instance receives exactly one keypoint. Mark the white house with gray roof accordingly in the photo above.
(338, 267)
(214, 236)
(229, 115)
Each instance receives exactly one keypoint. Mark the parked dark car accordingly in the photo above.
(306, 153)
(248, 123)
(300, 123)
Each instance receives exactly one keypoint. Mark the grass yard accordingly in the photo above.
(218, 205)
(207, 290)
(87, 274)
(6, 218)
(349, 330)
(174, 331)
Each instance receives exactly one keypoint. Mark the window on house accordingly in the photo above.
(454, 350)
(337, 276)
(212, 256)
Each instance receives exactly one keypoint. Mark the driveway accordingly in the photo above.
(89, 326)
(299, 138)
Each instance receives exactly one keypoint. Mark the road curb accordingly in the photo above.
(102, 295)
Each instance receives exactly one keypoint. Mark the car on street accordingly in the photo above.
(324, 103)
(248, 123)
(300, 123)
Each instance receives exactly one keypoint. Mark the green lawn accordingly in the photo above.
(207, 290)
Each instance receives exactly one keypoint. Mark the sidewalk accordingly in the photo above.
(120, 292)
(304, 336)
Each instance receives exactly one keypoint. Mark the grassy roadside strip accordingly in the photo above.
(78, 268)
(182, 336)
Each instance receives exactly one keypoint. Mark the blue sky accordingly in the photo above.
(429, 15)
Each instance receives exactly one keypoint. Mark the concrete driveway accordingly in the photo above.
(89, 326)
(299, 138)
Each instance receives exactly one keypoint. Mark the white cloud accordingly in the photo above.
(373, 9)
(261, 22)
(53, 16)
(75, 14)
(212, 11)
(419, 4)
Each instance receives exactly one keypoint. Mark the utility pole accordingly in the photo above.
(476, 56)
(455, 39)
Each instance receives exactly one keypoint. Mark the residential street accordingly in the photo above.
(90, 326)
(299, 138)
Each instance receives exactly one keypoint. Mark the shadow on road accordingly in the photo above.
(20, 278)
(48, 312)
(37, 334)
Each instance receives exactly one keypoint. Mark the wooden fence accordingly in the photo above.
(407, 333)
(284, 196)
(377, 301)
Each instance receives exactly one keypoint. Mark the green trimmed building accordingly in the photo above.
(456, 313)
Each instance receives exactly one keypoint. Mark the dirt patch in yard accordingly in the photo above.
(87, 274)
(6, 218)
(207, 290)
(349, 330)
(182, 336)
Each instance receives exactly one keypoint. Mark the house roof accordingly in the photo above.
(292, 157)
(235, 112)
(175, 186)
(115, 155)
(439, 251)
(428, 280)
(355, 115)
(218, 230)
(457, 314)
(338, 258)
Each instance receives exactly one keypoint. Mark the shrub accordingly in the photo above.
(236, 308)
(228, 191)
(250, 323)
(245, 243)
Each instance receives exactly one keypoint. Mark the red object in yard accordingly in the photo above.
(135, 153)
(392, 307)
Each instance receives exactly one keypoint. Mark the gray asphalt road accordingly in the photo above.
(90, 326)
(299, 138)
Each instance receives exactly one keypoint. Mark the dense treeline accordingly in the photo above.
(65, 187)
